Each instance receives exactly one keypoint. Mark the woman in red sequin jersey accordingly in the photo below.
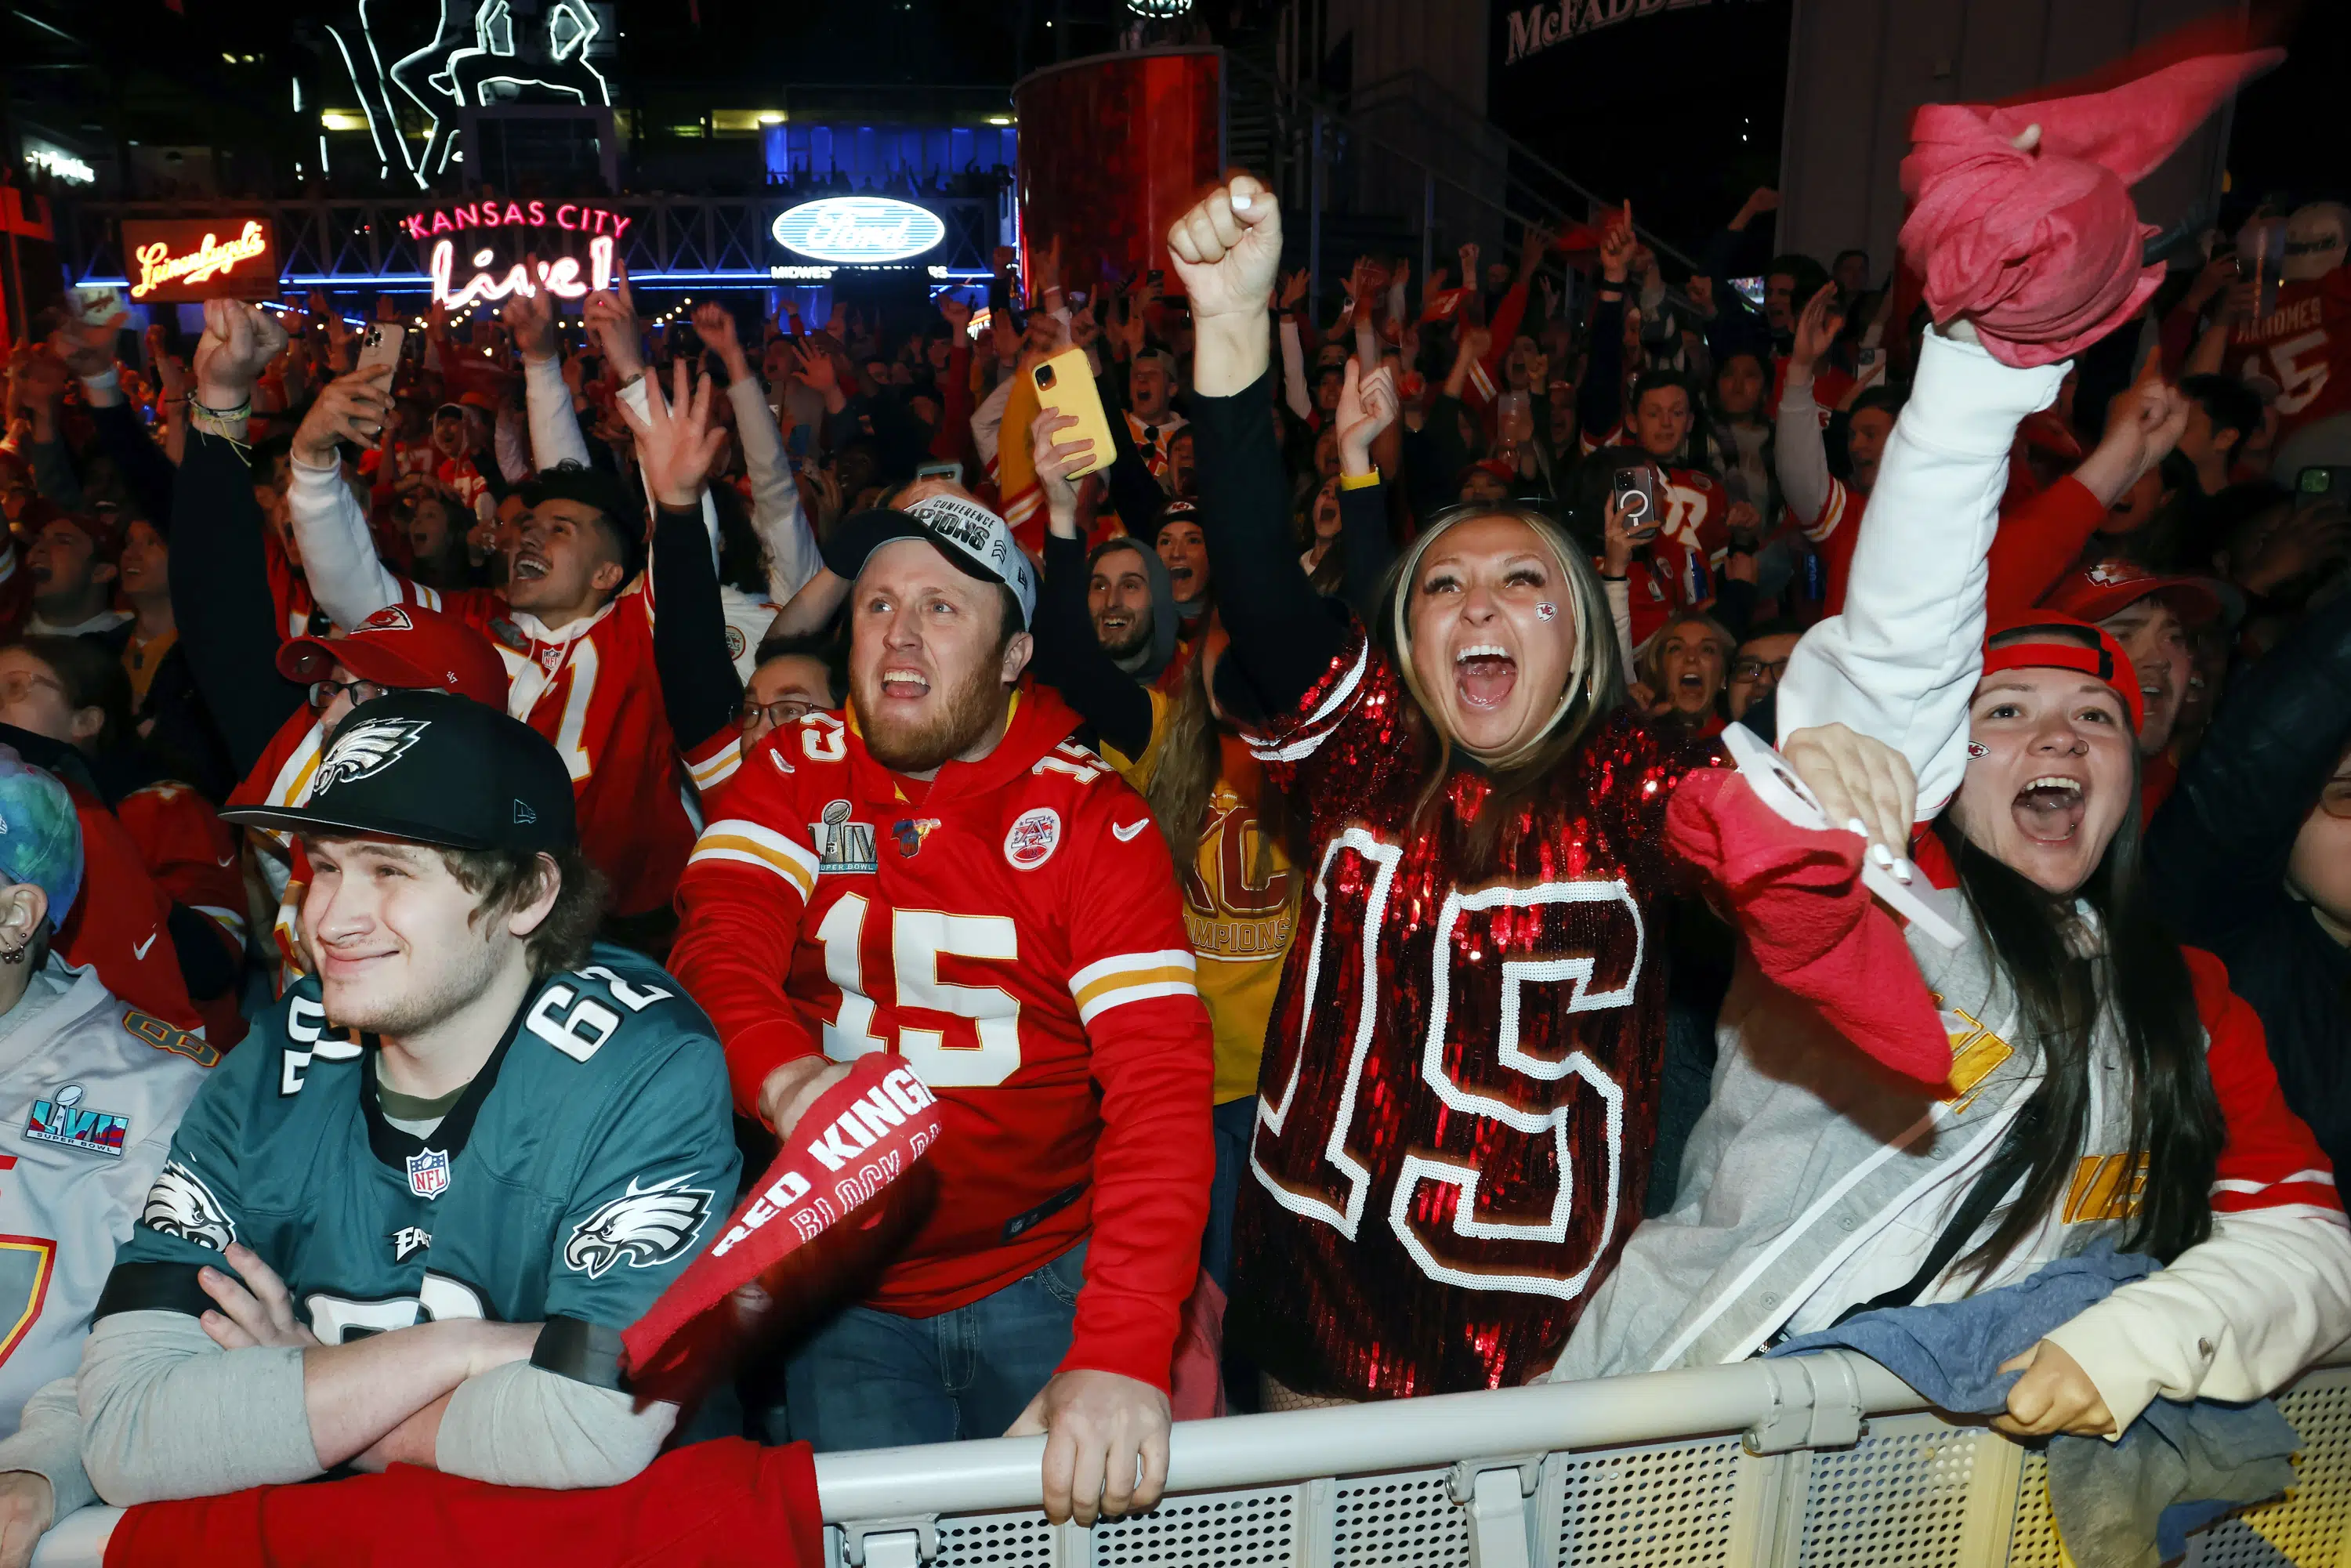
(1457, 1102)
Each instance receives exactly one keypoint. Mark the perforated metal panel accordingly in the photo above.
(1899, 1496)
(1232, 1529)
(2311, 1527)
(2033, 1537)
(1666, 1506)
(1398, 1522)
(996, 1541)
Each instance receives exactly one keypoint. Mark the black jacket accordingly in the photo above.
(2217, 850)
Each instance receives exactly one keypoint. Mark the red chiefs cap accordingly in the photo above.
(105, 543)
(2048, 640)
(408, 646)
(2108, 587)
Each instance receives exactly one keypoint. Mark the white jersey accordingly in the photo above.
(90, 1091)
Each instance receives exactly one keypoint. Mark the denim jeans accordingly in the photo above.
(871, 1379)
(1236, 1125)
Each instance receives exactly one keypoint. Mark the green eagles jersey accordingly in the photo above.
(573, 1180)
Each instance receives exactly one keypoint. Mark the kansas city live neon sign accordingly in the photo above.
(560, 278)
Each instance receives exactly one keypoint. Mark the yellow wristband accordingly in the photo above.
(1360, 481)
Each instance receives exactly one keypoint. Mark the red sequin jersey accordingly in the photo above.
(1458, 1099)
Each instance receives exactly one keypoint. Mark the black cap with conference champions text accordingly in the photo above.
(434, 768)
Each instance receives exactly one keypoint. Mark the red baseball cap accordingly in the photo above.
(408, 646)
(2108, 587)
(2049, 640)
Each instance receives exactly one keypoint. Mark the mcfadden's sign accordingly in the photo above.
(485, 220)
(855, 230)
(172, 260)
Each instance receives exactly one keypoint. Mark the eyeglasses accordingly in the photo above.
(787, 710)
(1756, 669)
(323, 692)
(2336, 798)
(20, 687)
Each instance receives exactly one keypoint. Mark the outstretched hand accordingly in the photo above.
(1817, 328)
(677, 441)
(353, 408)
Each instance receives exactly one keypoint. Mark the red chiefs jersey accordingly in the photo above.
(193, 856)
(2304, 345)
(1834, 532)
(1013, 931)
(298, 614)
(591, 688)
(1676, 571)
(1458, 1098)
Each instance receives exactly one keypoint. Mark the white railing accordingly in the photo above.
(1825, 1461)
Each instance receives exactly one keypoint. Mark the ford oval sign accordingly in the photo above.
(858, 229)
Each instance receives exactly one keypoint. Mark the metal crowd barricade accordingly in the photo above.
(1825, 1461)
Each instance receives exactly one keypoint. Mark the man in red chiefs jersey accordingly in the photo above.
(589, 667)
(940, 873)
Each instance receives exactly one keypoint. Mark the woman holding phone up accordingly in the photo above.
(1458, 1097)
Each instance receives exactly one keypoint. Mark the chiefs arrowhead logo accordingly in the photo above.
(2107, 574)
(391, 618)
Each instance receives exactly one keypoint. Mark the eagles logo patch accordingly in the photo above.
(181, 1205)
(647, 1225)
(366, 749)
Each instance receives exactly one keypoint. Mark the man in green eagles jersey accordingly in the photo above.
(406, 1220)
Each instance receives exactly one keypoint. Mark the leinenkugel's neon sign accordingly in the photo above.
(212, 258)
(560, 277)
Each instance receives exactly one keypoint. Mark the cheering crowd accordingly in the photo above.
(473, 798)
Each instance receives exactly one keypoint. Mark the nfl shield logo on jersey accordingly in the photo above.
(428, 1173)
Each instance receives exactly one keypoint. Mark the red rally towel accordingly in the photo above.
(2041, 246)
(722, 1502)
(1810, 923)
(862, 1135)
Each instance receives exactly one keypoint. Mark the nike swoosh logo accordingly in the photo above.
(1126, 833)
(226, 860)
(140, 950)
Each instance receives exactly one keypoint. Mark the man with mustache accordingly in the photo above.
(942, 873)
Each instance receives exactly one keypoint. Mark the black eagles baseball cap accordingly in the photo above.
(437, 768)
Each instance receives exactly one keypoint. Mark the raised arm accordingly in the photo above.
(1367, 407)
(338, 548)
(1070, 657)
(677, 443)
(1227, 249)
(1900, 662)
(1800, 455)
(777, 515)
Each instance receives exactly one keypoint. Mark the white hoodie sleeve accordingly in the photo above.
(775, 513)
(555, 436)
(2235, 1318)
(339, 558)
(988, 423)
(1900, 663)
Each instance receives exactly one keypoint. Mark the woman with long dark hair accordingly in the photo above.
(2105, 1084)
(1458, 1090)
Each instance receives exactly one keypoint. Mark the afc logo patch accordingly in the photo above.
(1033, 837)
